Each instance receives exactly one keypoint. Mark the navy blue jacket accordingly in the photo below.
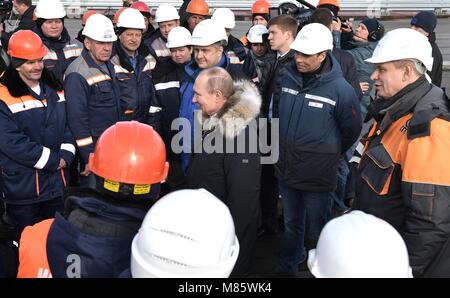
(235, 49)
(156, 43)
(93, 101)
(34, 136)
(166, 77)
(318, 122)
(137, 93)
(436, 72)
(96, 231)
(61, 52)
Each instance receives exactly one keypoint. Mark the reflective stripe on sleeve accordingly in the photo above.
(68, 147)
(84, 142)
(43, 159)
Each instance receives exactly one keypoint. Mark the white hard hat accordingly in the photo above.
(208, 32)
(49, 9)
(99, 28)
(131, 18)
(224, 16)
(312, 39)
(178, 37)
(166, 12)
(255, 34)
(403, 43)
(359, 245)
(187, 233)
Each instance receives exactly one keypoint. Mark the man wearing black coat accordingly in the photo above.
(25, 10)
(425, 22)
(221, 164)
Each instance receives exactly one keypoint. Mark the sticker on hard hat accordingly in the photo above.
(141, 189)
(107, 34)
(111, 185)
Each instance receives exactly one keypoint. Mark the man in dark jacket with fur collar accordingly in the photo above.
(232, 173)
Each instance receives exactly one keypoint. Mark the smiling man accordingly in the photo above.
(403, 175)
(133, 64)
(36, 145)
(167, 18)
(233, 176)
(208, 41)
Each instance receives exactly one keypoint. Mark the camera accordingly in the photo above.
(343, 22)
(5, 8)
(299, 9)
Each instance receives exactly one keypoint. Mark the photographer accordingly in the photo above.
(364, 41)
(342, 29)
(25, 10)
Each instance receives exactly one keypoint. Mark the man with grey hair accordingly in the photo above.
(403, 175)
(228, 164)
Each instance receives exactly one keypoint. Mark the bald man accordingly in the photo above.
(229, 110)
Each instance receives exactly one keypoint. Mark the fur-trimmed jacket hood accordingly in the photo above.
(231, 120)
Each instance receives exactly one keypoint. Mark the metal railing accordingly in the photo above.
(385, 6)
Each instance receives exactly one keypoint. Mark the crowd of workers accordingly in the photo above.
(136, 150)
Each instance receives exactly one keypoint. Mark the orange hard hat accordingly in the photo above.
(117, 14)
(199, 7)
(86, 16)
(141, 6)
(25, 44)
(330, 2)
(130, 152)
(260, 7)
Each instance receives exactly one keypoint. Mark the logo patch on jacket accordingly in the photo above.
(405, 127)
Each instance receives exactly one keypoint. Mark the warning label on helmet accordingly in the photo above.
(141, 189)
(111, 185)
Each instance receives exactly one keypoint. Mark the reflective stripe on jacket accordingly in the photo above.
(93, 101)
(403, 175)
(34, 136)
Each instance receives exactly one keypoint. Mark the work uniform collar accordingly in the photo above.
(95, 203)
(402, 103)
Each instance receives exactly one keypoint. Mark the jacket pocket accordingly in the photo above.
(377, 169)
(19, 184)
(104, 96)
(422, 200)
